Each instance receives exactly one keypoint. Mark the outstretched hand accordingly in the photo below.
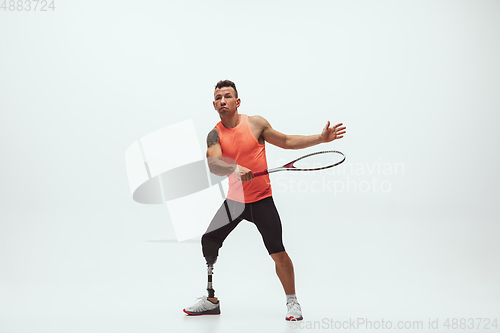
(332, 133)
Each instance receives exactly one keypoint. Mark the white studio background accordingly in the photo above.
(407, 228)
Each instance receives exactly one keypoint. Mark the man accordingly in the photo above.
(241, 138)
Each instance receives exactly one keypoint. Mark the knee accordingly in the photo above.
(280, 257)
(211, 241)
(210, 248)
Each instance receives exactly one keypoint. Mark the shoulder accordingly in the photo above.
(214, 131)
(258, 121)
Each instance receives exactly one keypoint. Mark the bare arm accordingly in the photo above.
(298, 141)
(220, 165)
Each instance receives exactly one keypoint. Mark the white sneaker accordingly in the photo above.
(294, 311)
(203, 307)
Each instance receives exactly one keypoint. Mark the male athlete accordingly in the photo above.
(241, 138)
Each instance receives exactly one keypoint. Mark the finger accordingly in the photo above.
(339, 124)
(327, 125)
(341, 128)
(339, 133)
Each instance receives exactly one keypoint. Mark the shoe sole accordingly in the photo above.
(201, 314)
(292, 318)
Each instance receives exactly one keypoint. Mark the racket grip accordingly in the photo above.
(260, 173)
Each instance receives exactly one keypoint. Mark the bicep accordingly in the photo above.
(214, 151)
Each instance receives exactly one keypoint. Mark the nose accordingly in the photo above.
(223, 101)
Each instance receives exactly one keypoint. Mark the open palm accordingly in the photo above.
(332, 133)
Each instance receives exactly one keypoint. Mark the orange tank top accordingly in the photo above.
(240, 144)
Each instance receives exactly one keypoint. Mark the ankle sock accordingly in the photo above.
(289, 297)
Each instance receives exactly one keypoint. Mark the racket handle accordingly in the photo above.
(260, 173)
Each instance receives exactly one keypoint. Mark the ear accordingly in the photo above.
(214, 105)
(238, 102)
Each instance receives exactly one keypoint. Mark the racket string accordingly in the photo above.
(319, 160)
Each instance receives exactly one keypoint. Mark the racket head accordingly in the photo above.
(316, 161)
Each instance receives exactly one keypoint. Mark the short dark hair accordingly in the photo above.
(227, 83)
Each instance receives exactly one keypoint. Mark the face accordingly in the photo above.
(225, 101)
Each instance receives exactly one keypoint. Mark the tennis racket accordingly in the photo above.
(311, 162)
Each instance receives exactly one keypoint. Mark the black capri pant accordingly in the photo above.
(262, 213)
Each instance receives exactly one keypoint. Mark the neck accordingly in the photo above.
(231, 121)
